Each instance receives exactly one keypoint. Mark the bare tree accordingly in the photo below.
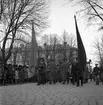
(25, 54)
(98, 45)
(45, 39)
(69, 38)
(54, 40)
(64, 36)
(57, 47)
(92, 10)
(19, 50)
(16, 16)
(50, 44)
(69, 42)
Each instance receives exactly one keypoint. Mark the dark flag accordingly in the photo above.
(81, 49)
(33, 52)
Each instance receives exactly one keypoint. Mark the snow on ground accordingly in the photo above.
(55, 94)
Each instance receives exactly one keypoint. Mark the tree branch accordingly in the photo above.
(95, 10)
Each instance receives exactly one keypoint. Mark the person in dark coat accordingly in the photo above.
(79, 73)
(21, 74)
(65, 68)
(101, 73)
(58, 72)
(96, 72)
(41, 72)
(11, 73)
(52, 73)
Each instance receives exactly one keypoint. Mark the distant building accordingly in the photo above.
(20, 56)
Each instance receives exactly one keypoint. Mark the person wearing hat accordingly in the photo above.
(77, 73)
(96, 72)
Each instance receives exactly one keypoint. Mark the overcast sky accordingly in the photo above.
(62, 18)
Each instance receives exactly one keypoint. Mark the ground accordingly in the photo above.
(58, 94)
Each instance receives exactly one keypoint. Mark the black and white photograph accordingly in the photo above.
(51, 52)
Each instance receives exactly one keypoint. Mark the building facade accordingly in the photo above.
(21, 55)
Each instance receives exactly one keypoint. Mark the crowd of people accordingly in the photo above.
(66, 73)
(14, 74)
(63, 72)
(53, 73)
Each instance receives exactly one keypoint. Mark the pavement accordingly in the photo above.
(55, 94)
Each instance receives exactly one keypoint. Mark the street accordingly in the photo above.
(55, 94)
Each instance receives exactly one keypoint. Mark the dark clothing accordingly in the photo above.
(77, 74)
(96, 71)
(101, 74)
(52, 73)
(101, 69)
(21, 76)
(79, 78)
(86, 74)
(73, 73)
(73, 70)
(59, 76)
(42, 74)
(65, 69)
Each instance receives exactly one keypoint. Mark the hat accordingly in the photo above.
(77, 58)
(51, 59)
(65, 59)
(41, 59)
